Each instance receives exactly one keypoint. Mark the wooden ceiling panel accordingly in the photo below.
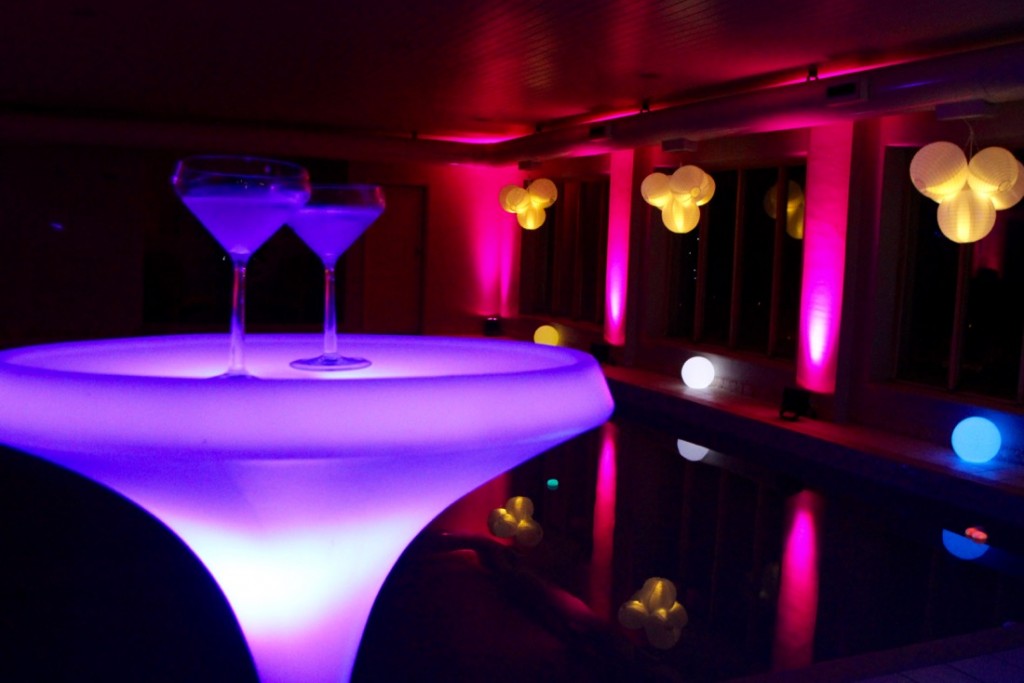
(452, 67)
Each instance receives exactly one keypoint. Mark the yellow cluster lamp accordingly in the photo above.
(795, 205)
(529, 203)
(679, 196)
(968, 192)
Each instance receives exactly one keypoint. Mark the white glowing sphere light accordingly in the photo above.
(698, 373)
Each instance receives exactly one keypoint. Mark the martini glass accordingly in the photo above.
(241, 201)
(334, 218)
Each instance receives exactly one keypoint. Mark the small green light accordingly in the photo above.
(552, 484)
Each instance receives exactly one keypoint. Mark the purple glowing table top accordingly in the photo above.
(298, 490)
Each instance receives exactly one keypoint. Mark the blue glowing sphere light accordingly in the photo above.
(976, 440)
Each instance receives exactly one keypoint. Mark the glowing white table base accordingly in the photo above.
(297, 490)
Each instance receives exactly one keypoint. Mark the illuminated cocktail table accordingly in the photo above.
(297, 490)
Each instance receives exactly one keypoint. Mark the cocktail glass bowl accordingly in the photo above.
(333, 218)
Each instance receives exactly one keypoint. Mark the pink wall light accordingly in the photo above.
(617, 270)
(828, 193)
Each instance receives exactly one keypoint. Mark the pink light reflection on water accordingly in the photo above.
(797, 611)
(828, 190)
(298, 494)
(604, 523)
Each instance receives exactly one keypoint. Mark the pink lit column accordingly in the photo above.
(617, 269)
(821, 299)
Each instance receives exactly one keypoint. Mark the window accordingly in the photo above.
(735, 280)
(961, 317)
(563, 262)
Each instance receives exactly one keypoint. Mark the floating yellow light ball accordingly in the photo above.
(655, 190)
(707, 190)
(968, 193)
(546, 334)
(514, 198)
(966, 216)
(687, 180)
(529, 203)
(1004, 199)
(680, 215)
(991, 170)
(795, 207)
(543, 193)
(679, 196)
(938, 170)
(531, 218)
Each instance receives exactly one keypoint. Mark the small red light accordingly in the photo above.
(975, 534)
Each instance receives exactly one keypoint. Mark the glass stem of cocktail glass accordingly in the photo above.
(330, 314)
(236, 359)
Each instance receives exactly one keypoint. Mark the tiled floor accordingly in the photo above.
(999, 667)
(994, 656)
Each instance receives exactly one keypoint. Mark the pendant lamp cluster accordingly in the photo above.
(968, 193)
(679, 196)
(529, 203)
(795, 204)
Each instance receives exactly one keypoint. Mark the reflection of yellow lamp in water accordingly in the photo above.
(528, 204)
(654, 609)
(515, 520)
(546, 334)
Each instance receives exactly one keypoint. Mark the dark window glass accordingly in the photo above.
(931, 284)
(792, 264)
(593, 250)
(682, 278)
(720, 215)
(995, 309)
(979, 350)
(758, 243)
(736, 279)
(537, 258)
(563, 262)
